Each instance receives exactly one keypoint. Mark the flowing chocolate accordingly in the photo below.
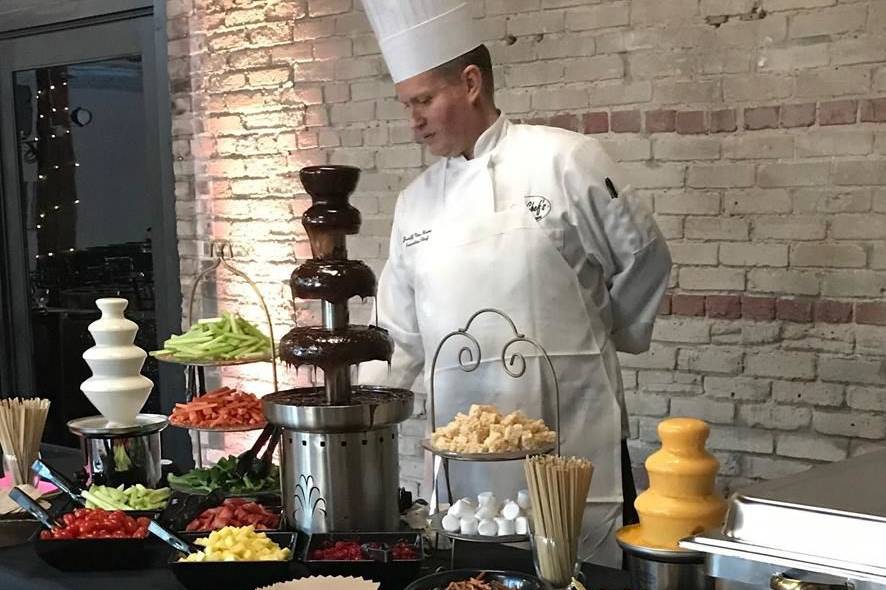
(331, 349)
(316, 396)
(335, 281)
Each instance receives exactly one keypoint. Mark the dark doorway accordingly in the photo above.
(88, 210)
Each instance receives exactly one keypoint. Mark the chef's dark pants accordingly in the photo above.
(628, 489)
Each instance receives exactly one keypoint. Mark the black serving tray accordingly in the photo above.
(393, 574)
(236, 575)
(80, 555)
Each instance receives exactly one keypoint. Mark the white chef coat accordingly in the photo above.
(619, 258)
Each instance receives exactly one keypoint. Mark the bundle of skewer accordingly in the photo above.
(21, 429)
(558, 488)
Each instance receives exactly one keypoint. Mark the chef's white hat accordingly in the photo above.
(418, 35)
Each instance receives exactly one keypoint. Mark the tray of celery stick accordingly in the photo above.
(228, 340)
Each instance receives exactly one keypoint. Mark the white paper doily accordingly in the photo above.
(324, 583)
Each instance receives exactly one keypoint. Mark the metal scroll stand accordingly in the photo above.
(514, 366)
(195, 378)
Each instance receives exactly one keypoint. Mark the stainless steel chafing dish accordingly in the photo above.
(823, 528)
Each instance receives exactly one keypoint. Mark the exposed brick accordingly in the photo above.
(660, 121)
(852, 370)
(797, 115)
(873, 110)
(691, 305)
(757, 308)
(809, 446)
(761, 118)
(817, 394)
(625, 121)
(870, 313)
(683, 330)
(781, 364)
(564, 121)
(837, 112)
(833, 312)
(688, 122)
(726, 307)
(596, 122)
(664, 308)
(793, 310)
(723, 121)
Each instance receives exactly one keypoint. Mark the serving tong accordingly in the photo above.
(377, 551)
(73, 491)
(248, 463)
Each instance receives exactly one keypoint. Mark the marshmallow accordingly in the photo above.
(521, 525)
(486, 512)
(523, 499)
(487, 528)
(511, 510)
(505, 526)
(469, 526)
(451, 524)
(463, 508)
(488, 499)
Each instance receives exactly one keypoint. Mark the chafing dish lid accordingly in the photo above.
(854, 486)
(832, 515)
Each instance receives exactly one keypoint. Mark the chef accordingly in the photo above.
(534, 221)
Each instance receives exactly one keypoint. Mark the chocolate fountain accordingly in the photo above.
(339, 452)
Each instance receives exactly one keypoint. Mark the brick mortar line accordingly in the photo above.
(696, 122)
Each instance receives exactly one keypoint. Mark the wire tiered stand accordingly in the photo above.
(195, 377)
(514, 366)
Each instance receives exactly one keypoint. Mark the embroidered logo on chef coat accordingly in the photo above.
(416, 238)
(538, 206)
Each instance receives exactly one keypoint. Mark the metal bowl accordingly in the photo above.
(510, 580)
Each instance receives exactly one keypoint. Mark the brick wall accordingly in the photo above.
(753, 128)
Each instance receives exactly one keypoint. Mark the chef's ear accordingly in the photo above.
(473, 80)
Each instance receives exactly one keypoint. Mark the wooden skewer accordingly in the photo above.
(558, 489)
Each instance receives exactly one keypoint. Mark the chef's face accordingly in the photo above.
(438, 108)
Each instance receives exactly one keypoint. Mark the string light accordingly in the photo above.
(70, 250)
(41, 176)
(50, 254)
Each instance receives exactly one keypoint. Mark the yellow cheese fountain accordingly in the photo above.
(680, 502)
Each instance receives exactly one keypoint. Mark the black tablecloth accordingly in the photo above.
(21, 569)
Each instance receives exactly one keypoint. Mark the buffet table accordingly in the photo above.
(21, 569)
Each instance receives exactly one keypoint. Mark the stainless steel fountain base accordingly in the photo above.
(340, 463)
(341, 481)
